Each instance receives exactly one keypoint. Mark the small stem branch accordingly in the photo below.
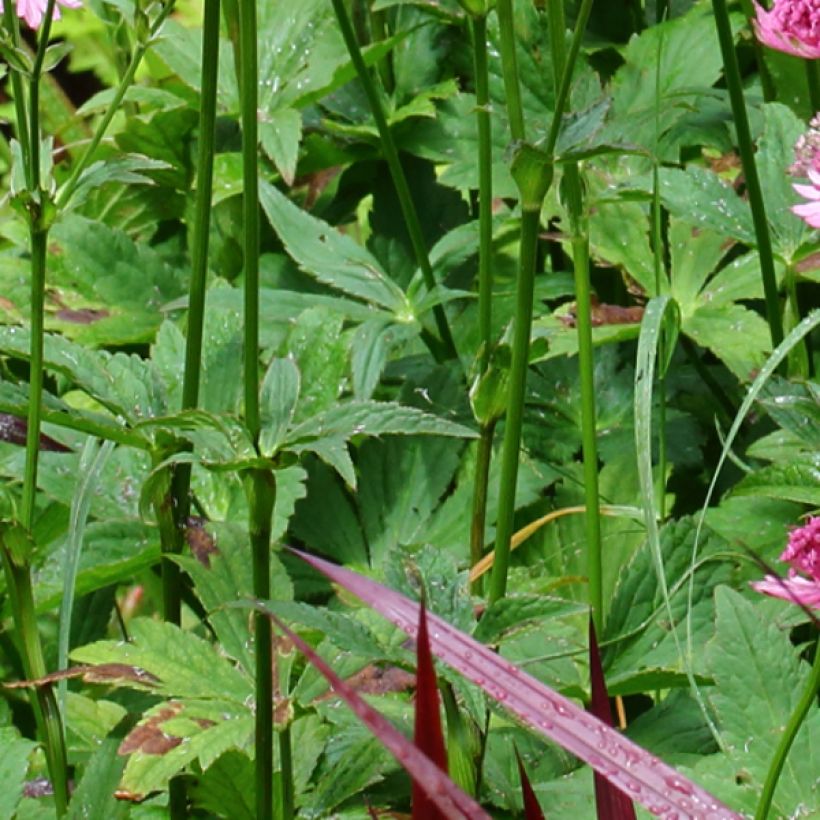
(746, 148)
(391, 155)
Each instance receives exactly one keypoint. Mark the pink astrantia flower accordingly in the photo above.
(33, 11)
(792, 26)
(807, 164)
(803, 553)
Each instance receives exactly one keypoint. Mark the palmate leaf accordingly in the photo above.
(649, 781)
(759, 678)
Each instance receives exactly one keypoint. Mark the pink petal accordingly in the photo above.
(807, 191)
(797, 590)
(809, 212)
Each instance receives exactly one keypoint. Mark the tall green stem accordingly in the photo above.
(522, 324)
(260, 491)
(46, 712)
(391, 155)
(806, 702)
(746, 148)
(259, 483)
(478, 25)
(586, 360)
(586, 366)
(533, 182)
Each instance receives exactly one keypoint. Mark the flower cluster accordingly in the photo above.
(803, 553)
(792, 26)
(807, 164)
(33, 11)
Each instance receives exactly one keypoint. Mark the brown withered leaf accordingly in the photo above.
(99, 673)
(377, 680)
(14, 429)
(604, 314)
(147, 736)
(82, 316)
(200, 541)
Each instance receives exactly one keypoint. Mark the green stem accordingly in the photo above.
(522, 323)
(261, 492)
(43, 701)
(202, 205)
(485, 189)
(479, 512)
(391, 155)
(485, 280)
(509, 68)
(746, 148)
(813, 78)
(807, 700)
(586, 365)
(586, 358)
(67, 190)
(48, 714)
(799, 356)
(250, 209)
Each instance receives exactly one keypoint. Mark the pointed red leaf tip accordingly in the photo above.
(532, 811)
(651, 782)
(610, 801)
(449, 800)
(427, 735)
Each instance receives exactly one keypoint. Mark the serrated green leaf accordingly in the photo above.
(218, 732)
(518, 611)
(14, 754)
(644, 650)
(701, 199)
(320, 348)
(331, 257)
(758, 680)
(186, 665)
(370, 418)
(796, 481)
(280, 134)
(277, 402)
(229, 781)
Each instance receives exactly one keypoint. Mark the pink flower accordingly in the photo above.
(792, 26)
(807, 164)
(803, 553)
(33, 11)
